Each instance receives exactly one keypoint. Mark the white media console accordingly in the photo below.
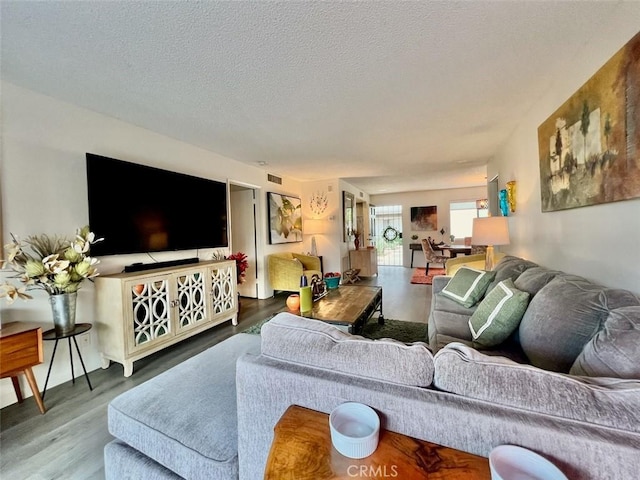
(139, 313)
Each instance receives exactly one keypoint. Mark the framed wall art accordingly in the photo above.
(285, 218)
(589, 148)
(424, 218)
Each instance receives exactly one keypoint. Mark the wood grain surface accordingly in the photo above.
(345, 305)
(302, 450)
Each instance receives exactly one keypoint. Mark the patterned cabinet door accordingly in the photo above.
(150, 313)
(191, 299)
(223, 288)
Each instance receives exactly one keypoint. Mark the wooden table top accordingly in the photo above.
(345, 304)
(302, 450)
(13, 328)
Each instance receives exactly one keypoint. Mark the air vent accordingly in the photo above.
(361, 195)
(274, 179)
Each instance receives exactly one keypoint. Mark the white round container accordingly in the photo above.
(509, 462)
(354, 429)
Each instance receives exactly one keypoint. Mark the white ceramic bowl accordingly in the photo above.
(509, 462)
(354, 429)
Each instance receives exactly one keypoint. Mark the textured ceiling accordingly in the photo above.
(392, 96)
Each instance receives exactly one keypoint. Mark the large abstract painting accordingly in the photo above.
(424, 218)
(590, 147)
(285, 218)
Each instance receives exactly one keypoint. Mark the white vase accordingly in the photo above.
(63, 307)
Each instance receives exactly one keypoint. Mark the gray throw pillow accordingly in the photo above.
(498, 315)
(615, 350)
(468, 285)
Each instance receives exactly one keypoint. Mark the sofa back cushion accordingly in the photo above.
(563, 316)
(534, 278)
(615, 350)
(611, 402)
(314, 343)
(509, 267)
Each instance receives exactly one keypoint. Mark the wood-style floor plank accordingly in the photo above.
(68, 441)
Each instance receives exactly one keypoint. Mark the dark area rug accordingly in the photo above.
(402, 331)
(420, 278)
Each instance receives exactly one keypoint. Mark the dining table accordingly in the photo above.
(454, 250)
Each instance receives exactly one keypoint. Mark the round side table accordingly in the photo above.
(79, 329)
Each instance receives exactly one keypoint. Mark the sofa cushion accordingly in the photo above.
(563, 316)
(534, 278)
(615, 350)
(185, 418)
(314, 343)
(509, 267)
(468, 285)
(121, 462)
(498, 314)
(610, 402)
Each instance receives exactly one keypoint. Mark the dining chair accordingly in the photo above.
(430, 255)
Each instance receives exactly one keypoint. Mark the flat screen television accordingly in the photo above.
(137, 209)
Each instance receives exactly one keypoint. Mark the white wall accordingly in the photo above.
(43, 188)
(330, 244)
(439, 198)
(597, 242)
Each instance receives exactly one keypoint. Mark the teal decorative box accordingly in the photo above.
(332, 282)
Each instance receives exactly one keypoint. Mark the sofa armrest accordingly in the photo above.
(438, 283)
(604, 401)
(309, 262)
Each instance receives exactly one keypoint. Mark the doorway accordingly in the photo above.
(244, 237)
(387, 234)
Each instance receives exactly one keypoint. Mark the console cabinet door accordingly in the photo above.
(149, 318)
(224, 297)
(192, 307)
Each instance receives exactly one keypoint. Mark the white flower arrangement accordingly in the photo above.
(56, 265)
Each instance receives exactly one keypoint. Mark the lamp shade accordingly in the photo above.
(490, 231)
(314, 226)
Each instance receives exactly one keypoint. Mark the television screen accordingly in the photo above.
(137, 209)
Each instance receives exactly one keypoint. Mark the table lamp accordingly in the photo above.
(490, 231)
(313, 226)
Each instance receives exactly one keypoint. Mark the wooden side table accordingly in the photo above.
(302, 450)
(21, 349)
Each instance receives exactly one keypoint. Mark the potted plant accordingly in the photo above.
(241, 266)
(54, 264)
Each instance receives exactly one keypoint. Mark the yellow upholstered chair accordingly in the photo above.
(476, 261)
(286, 269)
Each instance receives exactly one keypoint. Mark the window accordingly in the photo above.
(461, 215)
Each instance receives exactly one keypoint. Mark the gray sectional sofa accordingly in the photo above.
(544, 395)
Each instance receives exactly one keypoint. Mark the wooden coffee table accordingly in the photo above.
(302, 450)
(348, 306)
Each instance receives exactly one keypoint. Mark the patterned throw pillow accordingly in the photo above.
(498, 315)
(468, 286)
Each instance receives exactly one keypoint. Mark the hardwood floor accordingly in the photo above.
(67, 442)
